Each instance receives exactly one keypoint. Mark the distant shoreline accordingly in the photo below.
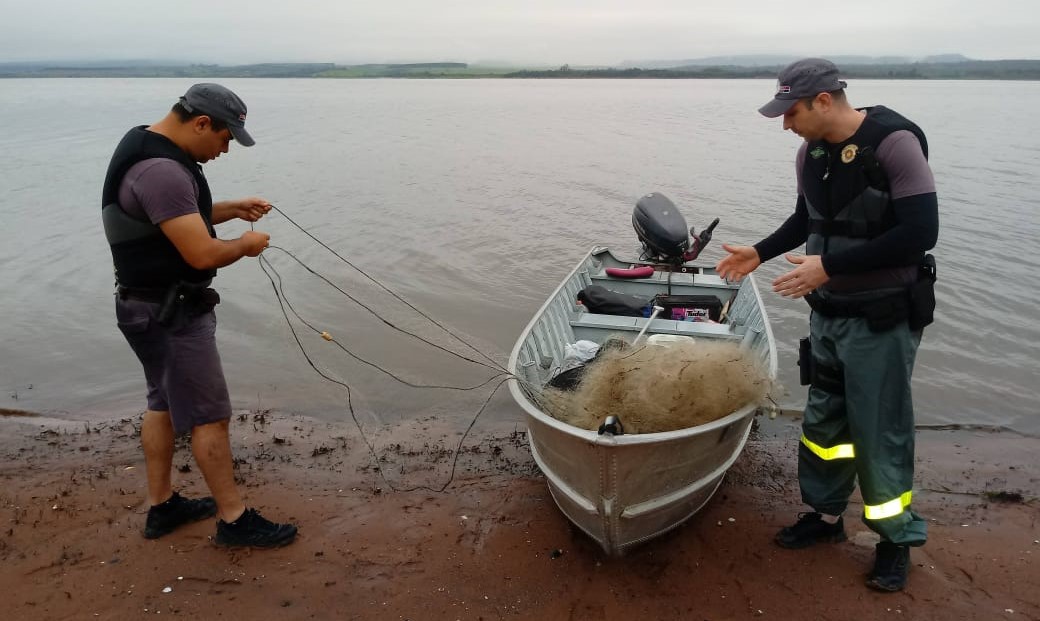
(962, 70)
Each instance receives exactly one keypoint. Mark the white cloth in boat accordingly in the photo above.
(578, 354)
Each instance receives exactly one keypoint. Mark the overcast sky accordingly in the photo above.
(599, 32)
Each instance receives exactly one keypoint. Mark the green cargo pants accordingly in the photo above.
(864, 429)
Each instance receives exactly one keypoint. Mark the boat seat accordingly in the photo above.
(618, 323)
(688, 279)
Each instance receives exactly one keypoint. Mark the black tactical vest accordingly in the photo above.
(846, 191)
(143, 256)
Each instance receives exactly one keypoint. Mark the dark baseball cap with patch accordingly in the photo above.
(803, 78)
(218, 102)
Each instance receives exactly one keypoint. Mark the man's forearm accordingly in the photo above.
(916, 231)
(224, 252)
(791, 234)
(224, 211)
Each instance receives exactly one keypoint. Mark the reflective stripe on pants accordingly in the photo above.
(839, 451)
(887, 509)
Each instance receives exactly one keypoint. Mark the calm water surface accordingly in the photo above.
(472, 199)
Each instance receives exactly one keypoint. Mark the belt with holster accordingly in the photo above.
(175, 300)
(915, 304)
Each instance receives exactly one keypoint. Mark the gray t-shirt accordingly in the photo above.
(903, 161)
(908, 171)
(158, 189)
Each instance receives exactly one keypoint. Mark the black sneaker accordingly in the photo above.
(176, 511)
(252, 530)
(810, 529)
(891, 565)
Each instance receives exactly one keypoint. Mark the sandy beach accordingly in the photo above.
(493, 545)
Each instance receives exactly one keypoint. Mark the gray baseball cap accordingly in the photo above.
(220, 103)
(803, 78)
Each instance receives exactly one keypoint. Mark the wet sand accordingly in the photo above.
(493, 545)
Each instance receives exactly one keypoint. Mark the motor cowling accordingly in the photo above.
(661, 228)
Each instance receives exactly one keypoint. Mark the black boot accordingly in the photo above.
(891, 565)
(810, 529)
(253, 530)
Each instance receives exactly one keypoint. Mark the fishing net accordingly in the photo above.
(661, 387)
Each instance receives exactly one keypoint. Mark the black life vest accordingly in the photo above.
(847, 194)
(142, 255)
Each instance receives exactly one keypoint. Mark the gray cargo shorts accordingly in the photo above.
(181, 363)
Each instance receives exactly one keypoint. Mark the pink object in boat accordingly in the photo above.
(644, 271)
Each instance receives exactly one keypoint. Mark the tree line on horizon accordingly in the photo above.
(964, 70)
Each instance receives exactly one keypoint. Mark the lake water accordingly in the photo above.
(472, 199)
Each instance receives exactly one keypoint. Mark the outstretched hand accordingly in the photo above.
(741, 261)
(803, 279)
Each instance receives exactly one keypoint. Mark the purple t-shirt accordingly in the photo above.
(158, 189)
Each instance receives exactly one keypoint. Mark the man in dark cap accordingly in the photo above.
(867, 213)
(159, 216)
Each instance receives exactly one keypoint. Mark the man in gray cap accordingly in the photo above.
(158, 216)
(867, 213)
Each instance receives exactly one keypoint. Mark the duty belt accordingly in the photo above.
(141, 294)
(892, 303)
(185, 292)
(916, 303)
(881, 313)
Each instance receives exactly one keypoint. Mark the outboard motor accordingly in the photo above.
(663, 233)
